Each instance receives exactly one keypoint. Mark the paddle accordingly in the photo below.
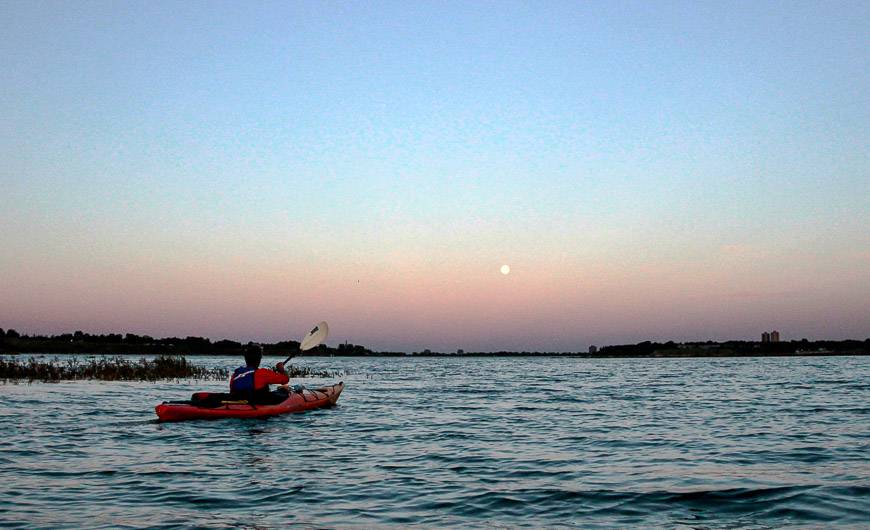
(311, 340)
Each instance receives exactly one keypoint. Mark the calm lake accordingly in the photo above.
(441, 442)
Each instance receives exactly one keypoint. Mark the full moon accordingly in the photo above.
(505, 269)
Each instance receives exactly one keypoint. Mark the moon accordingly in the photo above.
(505, 269)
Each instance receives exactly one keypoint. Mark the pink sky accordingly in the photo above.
(407, 303)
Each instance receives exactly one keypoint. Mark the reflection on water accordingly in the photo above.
(712, 443)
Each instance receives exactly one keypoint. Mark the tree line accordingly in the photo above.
(737, 348)
(117, 343)
(81, 342)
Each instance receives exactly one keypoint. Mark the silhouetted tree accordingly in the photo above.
(197, 344)
(12, 334)
(224, 345)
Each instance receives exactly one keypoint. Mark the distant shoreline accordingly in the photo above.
(129, 344)
(482, 355)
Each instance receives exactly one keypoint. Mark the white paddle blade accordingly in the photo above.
(315, 337)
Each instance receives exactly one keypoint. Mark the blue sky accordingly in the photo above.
(157, 154)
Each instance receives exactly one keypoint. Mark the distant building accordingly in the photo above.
(460, 351)
(774, 336)
(765, 337)
(593, 349)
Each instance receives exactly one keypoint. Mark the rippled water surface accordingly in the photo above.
(493, 442)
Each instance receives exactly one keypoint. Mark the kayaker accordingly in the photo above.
(251, 381)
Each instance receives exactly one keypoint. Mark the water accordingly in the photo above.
(493, 442)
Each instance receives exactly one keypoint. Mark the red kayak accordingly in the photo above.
(205, 405)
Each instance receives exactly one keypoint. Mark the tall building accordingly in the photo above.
(774, 336)
(765, 337)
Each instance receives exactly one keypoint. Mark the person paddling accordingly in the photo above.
(252, 382)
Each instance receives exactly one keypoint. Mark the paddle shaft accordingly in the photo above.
(287, 360)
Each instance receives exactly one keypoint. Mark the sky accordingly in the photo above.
(648, 170)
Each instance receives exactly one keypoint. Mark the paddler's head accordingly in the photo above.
(253, 354)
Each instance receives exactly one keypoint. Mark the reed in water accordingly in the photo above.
(120, 369)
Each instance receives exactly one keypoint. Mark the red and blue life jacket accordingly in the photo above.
(242, 379)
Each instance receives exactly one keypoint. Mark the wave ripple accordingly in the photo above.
(671, 443)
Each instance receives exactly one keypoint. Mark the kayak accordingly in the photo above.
(206, 405)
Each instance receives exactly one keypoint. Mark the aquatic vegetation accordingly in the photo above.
(106, 369)
(161, 367)
(305, 371)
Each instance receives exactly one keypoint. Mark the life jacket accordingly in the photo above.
(242, 379)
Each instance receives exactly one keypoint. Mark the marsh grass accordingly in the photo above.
(296, 372)
(106, 369)
(162, 367)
